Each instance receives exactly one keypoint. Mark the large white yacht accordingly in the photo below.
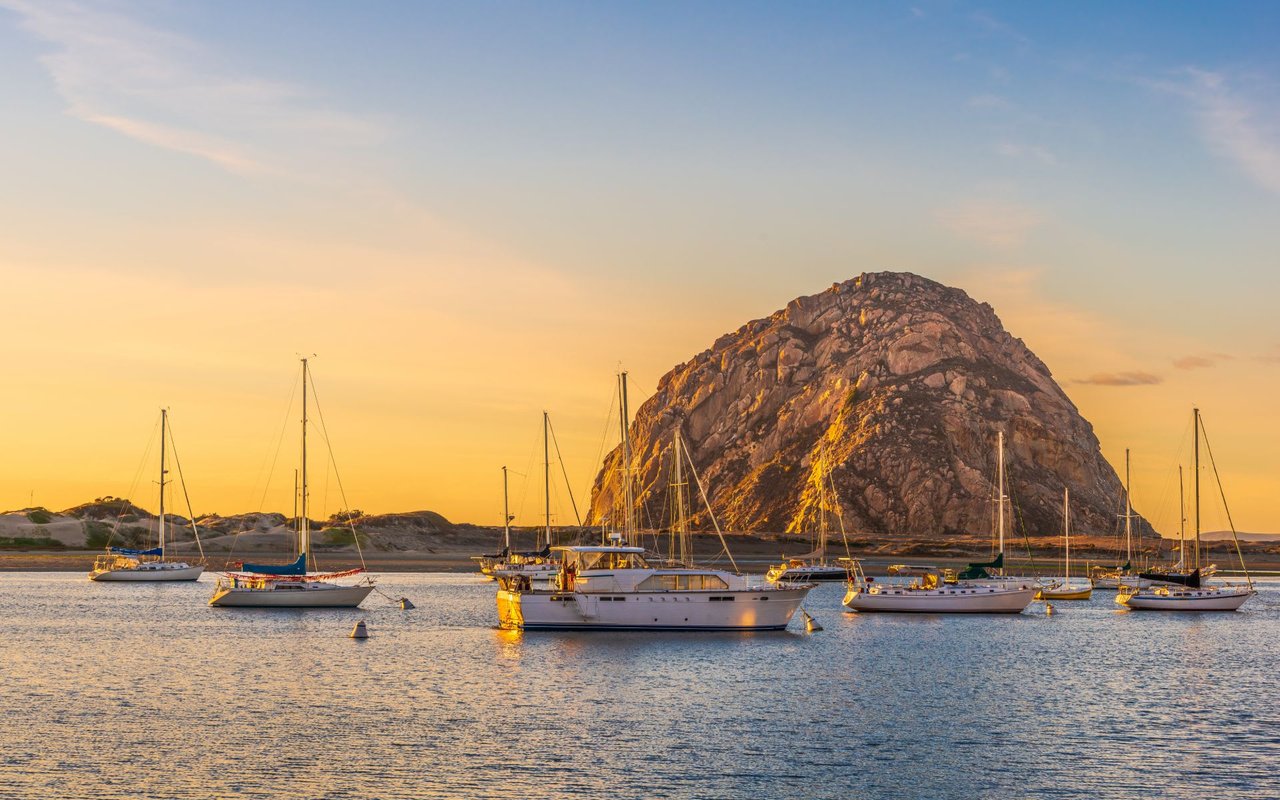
(613, 587)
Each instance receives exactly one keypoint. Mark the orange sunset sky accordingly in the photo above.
(471, 219)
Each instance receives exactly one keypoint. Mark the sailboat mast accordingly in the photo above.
(1196, 422)
(506, 513)
(164, 421)
(546, 474)
(1182, 519)
(1066, 529)
(1128, 511)
(822, 505)
(304, 535)
(628, 524)
(1000, 496)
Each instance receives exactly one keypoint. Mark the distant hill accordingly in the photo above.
(118, 521)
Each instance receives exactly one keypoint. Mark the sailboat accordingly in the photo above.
(1065, 589)
(923, 590)
(490, 561)
(814, 566)
(1194, 595)
(991, 573)
(1113, 577)
(291, 585)
(612, 586)
(535, 564)
(130, 564)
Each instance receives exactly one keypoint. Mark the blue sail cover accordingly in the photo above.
(128, 551)
(298, 567)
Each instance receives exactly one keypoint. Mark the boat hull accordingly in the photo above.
(808, 575)
(721, 610)
(278, 596)
(137, 574)
(949, 600)
(1186, 600)
(1065, 593)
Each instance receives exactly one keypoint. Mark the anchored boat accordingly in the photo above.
(921, 590)
(1066, 588)
(615, 588)
(131, 564)
(1191, 593)
(291, 585)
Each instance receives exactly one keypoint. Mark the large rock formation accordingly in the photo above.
(899, 385)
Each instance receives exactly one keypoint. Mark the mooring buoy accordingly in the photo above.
(810, 624)
(1048, 609)
(405, 604)
(360, 631)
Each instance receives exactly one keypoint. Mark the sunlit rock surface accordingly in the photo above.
(903, 384)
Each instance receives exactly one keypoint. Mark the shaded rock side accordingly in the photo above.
(899, 385)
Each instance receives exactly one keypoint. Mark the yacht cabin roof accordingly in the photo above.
(599, 549)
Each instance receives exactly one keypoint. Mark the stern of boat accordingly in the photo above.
(510, 616)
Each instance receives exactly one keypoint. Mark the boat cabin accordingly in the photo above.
(585, 557)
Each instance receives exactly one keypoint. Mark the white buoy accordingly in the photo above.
(360, 631)
(1048, 609)
(810, 624)
(405, 604)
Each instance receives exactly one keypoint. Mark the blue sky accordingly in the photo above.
(511, 175)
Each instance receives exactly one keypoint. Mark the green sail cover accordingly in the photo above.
(977, 572)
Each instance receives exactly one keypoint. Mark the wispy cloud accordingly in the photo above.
(1202, 361)
(993, 223)
(169, 91)
(1028, 152)
(1272, 357)
(1136, 378)
(1234, 122)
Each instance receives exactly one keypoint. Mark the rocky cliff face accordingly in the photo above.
(899, 386)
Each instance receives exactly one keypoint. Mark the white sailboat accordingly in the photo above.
(1065, 588)
(1113, 577)
(130, 564)
(815, 566)
(992, 573)
(291, 585)
(1193, 594)
(922, 590)
(536, 565)
(614, 587)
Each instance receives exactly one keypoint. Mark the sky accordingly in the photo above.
(472, 212)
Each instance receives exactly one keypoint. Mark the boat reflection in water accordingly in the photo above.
(615, 588)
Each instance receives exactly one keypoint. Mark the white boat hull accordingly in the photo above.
(757, 609)
(291, 595)
(947, 600)
(1203, 599)
(169, 572)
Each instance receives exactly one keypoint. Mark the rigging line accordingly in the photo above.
(839, 514)
(1223, 492)
(315, 396)
(604, 436)
(702, 491)
(565, 472)
(191, 515)
(133, 487)
(262, 502)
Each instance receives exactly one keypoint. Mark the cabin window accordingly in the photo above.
(682, 582)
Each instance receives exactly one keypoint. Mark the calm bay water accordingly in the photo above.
(145, 691)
